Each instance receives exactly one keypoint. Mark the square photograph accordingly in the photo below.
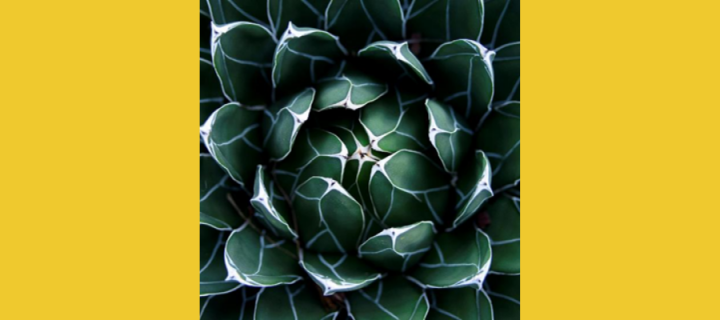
(360, 159)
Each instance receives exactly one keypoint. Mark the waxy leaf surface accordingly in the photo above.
(460, 304)
(360, 22)
(329, 219)
(282, 122)
(337, 272)
(473, 187)
(449, 134)
(464, 73)
(213, 273)
(215, 207)
(254, 259)
(317, 153)
(499, 138)
(400, 196)
(504, 232)
(232, 135)
(458, 259)
(297, 301)
(271, 206)
(242, 55)
(392, 298)
(398, 249)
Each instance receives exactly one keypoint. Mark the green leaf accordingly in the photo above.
(212, 267)
(473, 187)
(215, 208)
(329, 219)
(504, 291)
(395, 59)
(360, 22)
(460, 304)
(232, 135)
(391, 298)
(211, 95)
(504, 232)
(317, 153)
(448, 134)
(396, 121)
(464, 73)
(338, 272)
(459, 259)
(356, 176)
(400, 196)
(254, 259)
(398, 249)
(304, 13)
(303, 56)
(227, 11)
(272, 14)
(290, 302)
(436, 21)
(507, 72)
(237, 305)
(348, 89)
(502, 22)
(282, 123)
(499, 137)
(242, 55)
(271, 206)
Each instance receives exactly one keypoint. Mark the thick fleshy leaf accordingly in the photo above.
(398, 249)
(254, 259)
(272, 14)
(499, 137)
(297, 301)
(303, 56)
(212, 266)
(232, 135)
(502, 22)
(400, 196)
(392, 298)
(506, 66)
(360, 22)
(356, 177)
(473, 187)
(460, 304)
(317, 153)
(459, 259)
(436, 21)
(337, 272)
(464, 74)
(211, 95)
(242, 55)
(282, 122)
(348, 89)
(395, 60)
(227, 11)
(271, 206)
(504, 291)
(329, 219)
(504, 232)
(215, 208)
(449, 135)
(396, 121)
(237, 305)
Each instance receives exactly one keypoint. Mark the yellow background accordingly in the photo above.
(99, 160)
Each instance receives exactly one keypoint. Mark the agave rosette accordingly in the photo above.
(359, 159)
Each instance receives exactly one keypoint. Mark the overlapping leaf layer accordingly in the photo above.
(360, 159)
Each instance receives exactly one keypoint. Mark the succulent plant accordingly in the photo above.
(359, 159)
